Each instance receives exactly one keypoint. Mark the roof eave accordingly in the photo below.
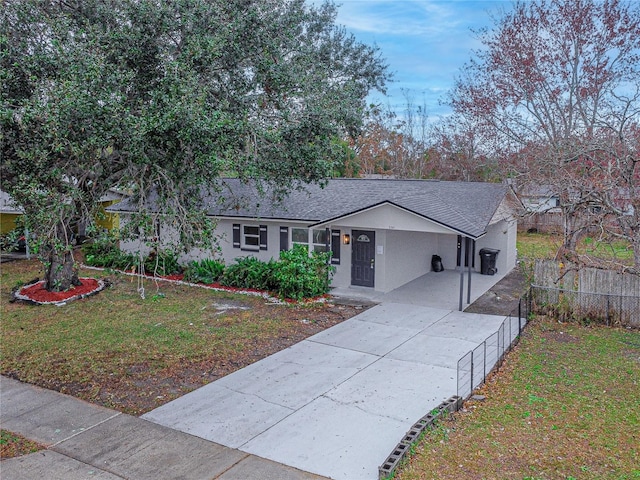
(329, 221)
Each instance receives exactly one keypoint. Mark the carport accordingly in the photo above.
(433, 289)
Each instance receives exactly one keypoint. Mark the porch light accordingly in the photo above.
(346, 239)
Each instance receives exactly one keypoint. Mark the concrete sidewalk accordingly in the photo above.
(91, 442)
(337, 403)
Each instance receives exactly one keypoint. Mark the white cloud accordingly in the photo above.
(425, 42)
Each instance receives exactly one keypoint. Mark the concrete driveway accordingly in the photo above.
(337, 403)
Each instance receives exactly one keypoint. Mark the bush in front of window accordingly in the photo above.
(299, 275)
(249, 272)
(103, 251)
(205, 271)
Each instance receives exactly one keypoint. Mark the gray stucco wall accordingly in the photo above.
(401, 255)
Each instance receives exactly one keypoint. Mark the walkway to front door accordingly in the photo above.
(337, 403)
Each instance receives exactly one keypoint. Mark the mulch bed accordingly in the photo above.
(37, 294)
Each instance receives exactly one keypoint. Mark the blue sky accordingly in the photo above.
(425, 42)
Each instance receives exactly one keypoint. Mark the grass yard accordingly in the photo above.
(565, 405)
(14, 445)
(132, 354)
(542, 245)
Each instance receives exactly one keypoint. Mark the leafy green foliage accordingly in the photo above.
(103, 251)
(162, 262)
(204, 271)
(163, 98)
(299, 275)
(9, 240)
(296, 275)
(249, 272)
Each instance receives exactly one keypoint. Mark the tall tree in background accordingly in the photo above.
(457, 152)
(162, 99)
(557, 87)
(392, 144)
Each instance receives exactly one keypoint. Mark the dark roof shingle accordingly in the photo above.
(464, 206)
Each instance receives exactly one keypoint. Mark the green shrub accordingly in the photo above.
(103, 251)
(298, 275)
(9, 240)
(204, 271)
(162, 262)
(249, 272)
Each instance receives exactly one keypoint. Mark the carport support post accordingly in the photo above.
(464, 245)
(468, 256)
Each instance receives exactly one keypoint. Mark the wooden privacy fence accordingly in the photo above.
(541, 222)
(588, 294)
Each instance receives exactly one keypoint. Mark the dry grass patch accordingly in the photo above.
(565, 405)
(14, 445)
(132, 354)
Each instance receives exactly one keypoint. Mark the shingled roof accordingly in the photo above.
(466, 207)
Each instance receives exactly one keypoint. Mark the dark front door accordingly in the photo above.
(363, 253)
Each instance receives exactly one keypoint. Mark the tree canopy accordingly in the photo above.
(167, 97)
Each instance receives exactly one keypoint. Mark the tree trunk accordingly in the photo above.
(635, 245)
(61, 273)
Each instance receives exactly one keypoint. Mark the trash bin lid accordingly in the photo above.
(488, 251)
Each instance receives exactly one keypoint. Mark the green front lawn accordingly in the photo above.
(133, 354)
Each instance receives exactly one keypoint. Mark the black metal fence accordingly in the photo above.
(605, 308)
(475, 366)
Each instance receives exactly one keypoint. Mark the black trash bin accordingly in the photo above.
(488, 261)
(436, 263)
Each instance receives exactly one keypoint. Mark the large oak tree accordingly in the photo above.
(162, 98)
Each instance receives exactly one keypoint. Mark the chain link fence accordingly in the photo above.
(585, 307)
(474, 367)
(566, 305)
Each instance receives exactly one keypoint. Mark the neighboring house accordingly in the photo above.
(542, 212)
(382, 233)
(541, 209)
(9, 211)
(539, 199)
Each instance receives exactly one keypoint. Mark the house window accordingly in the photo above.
(250, 237)
(315, 239)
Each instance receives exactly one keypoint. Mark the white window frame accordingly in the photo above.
(244, 235)
(311, 246)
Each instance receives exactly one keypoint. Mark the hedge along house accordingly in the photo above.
(382, 233)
